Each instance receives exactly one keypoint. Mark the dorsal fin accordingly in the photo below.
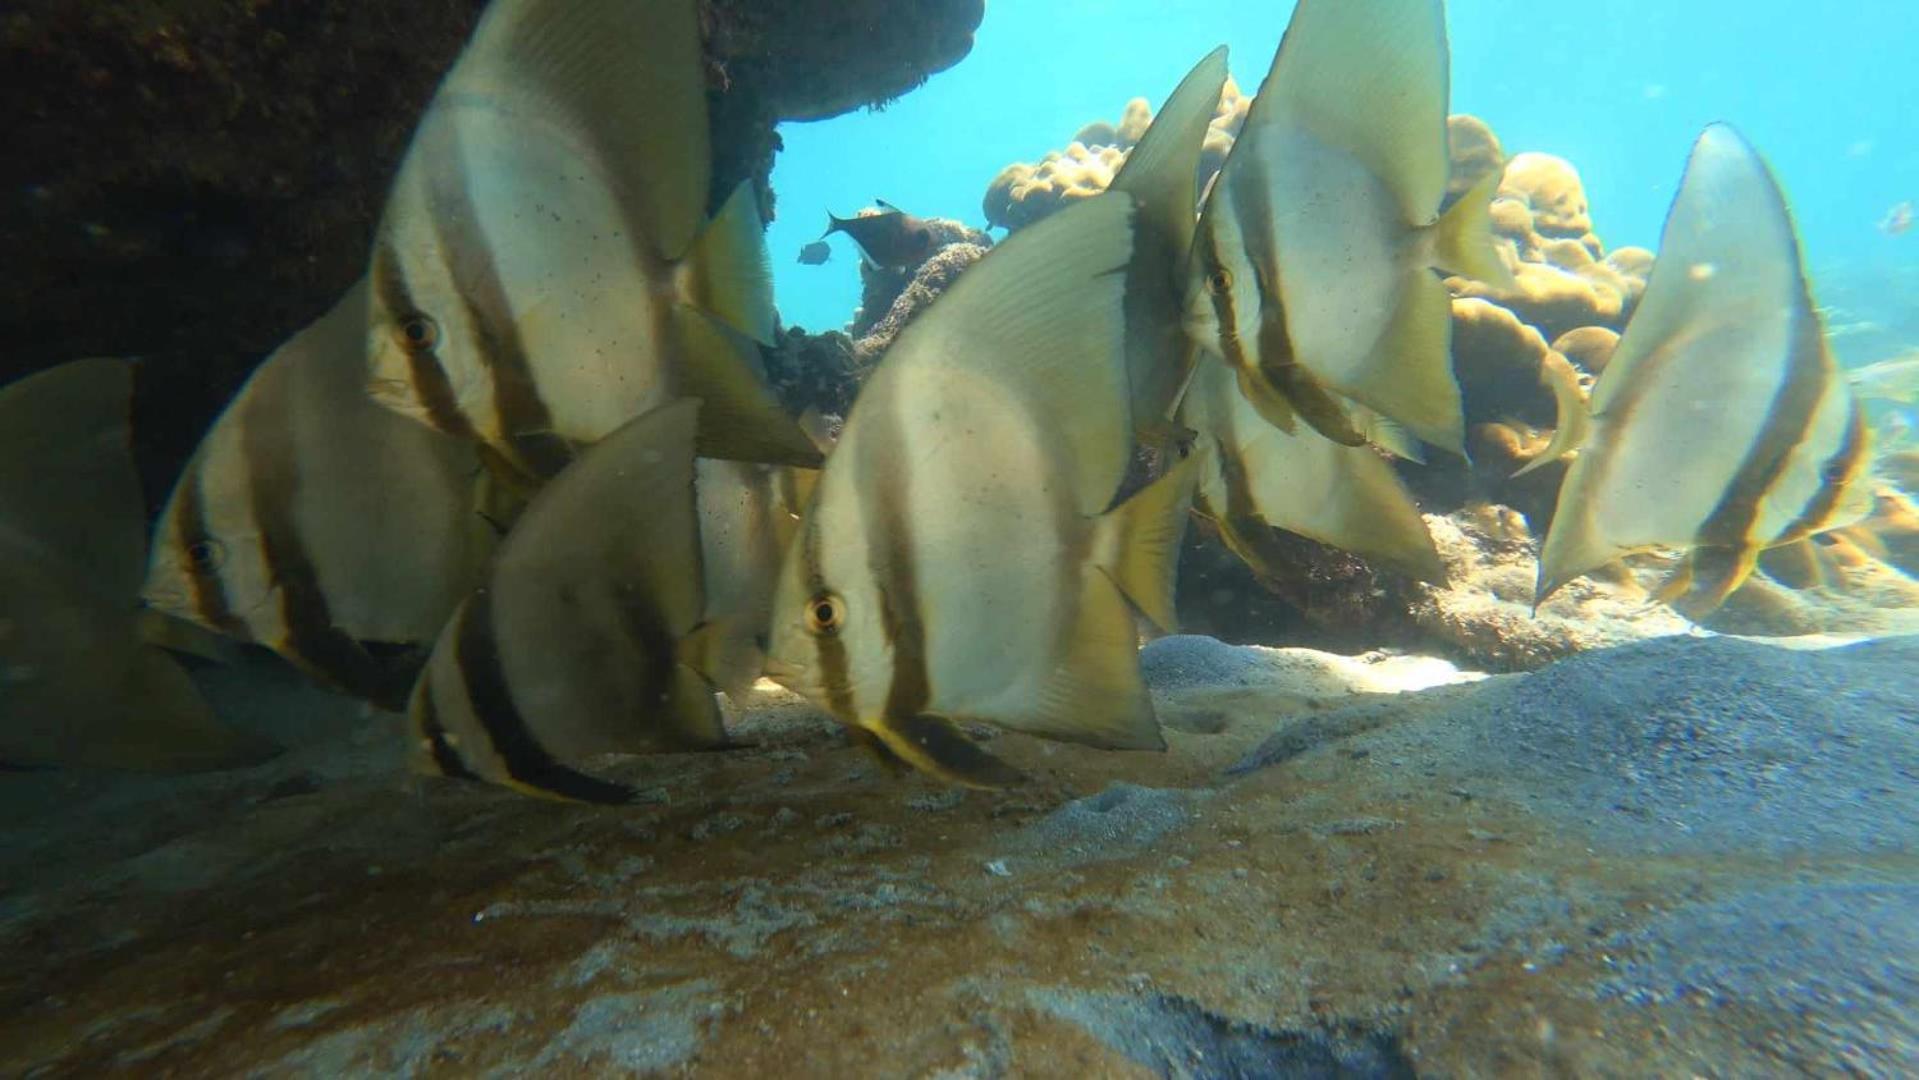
(1370, 76)
(628, 76)
(1161, 173)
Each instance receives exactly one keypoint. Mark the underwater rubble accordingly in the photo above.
(1681, 855)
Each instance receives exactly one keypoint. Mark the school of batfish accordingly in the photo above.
(536, 445)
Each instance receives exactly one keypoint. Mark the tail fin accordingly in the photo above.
(1463, 238)
(740, 420)
(1140, 539)
(728, 273)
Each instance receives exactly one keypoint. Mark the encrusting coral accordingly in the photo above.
(1022, 194)
(1475, 153)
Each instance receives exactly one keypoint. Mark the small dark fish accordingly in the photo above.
(816, 253)
(1897, 220)
(888, 236)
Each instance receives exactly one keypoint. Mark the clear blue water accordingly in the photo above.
(1827, 92)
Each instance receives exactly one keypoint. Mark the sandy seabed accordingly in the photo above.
(1688, 855)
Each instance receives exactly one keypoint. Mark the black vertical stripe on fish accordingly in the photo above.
(1835, 475)
(1725, 547)
(523, 418)
(519, 412)
(835, 672)
(446, 760)
(309, 636)
(1253, 216)
(476, 656)
(657, 647)
(425, 374)
(889, 550)
(1240, 525)
(191, 536)
(1218, 287)
(1275, 358)
(1788, 419)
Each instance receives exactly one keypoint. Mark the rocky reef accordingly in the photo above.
(1643, 858)
(188, 182)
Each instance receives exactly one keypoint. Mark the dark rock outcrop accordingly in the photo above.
(190, 181)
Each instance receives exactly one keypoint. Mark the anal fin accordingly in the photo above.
(1708, 576)
(727, 271)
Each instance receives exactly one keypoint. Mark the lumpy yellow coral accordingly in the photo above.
(1550, 189)
(1563, 278)
(1024, 192)
(1475, 153)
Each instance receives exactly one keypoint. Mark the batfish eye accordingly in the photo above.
(419, 332)
(825, 613)
(1220, 280)
(207, 555)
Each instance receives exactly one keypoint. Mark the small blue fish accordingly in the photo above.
(815, 253)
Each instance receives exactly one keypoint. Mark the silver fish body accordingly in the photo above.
(1721, 425)
(311, 520)
(79, 684)
(957, 560)
(543, 270)
(1315, 255)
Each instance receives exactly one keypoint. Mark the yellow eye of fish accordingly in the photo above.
(1220, 280)
(419, 332)
(824, 613)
